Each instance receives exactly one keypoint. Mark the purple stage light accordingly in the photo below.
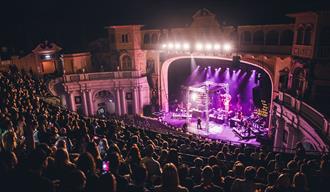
(227, 75)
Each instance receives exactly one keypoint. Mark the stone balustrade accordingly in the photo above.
(102, 76)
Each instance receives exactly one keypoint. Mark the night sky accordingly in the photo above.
(74, 23)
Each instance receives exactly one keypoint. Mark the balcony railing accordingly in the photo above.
(317, 120)
(102, 76)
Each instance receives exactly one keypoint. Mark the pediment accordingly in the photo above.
(46, 48)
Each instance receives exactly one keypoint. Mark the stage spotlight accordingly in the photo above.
(208, 46)
(227, 47)
(177, 46)
(194, 96)
(164, 46)
(170, 45)
(47, 56)
(186, 46)
(199, 46)
(216, 47)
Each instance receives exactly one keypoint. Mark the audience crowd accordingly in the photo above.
(48, 148)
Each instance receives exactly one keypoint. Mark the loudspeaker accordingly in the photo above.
(236, 61)
(148, 110)
(256, 96)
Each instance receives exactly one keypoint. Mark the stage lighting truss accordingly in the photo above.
(198, 94)
(199, 98)
(208, 47)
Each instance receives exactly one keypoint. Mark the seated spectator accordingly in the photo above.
(94, 151)
(114, 164)
(163, 158)
(32, 179)
(9, 140)
(217, 176)
(74, 181)
(196, 171)
(86, 164)
(62, 164)
(282, 184)
(173, 157)
(247, 183)
(299, 183)
(139, 176)
(185, 180)
(271, 179)
(170, 180)
(261, 176)
(207, 184)
(152, 165)
(107, 183)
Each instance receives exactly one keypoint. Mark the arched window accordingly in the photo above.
(258, 37)
(105, 102)
(283, 81)
(300, 35)
(124, 38)
(286, 37)
(146, 38)
(154, 38)
(298, 81)
(272, 38)
(247, 36)
(150, 67)
(126, 63)
(308, 35)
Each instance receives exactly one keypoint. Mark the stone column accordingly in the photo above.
(84, 99)
(90, 103)
(123, 102)
(72, 102)
(118, 102)
(140, 90)
(291, 137)
(136, 101)
(279, 134)
(295, 138)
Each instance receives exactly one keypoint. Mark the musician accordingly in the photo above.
(199, 123)
(226, 101)
(185, 127)
(248, 129)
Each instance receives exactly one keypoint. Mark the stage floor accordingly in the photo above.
(216, 131)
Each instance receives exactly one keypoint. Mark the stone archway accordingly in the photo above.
(284, 79)
(104, 102)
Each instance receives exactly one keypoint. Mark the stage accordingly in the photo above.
(216, 130)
